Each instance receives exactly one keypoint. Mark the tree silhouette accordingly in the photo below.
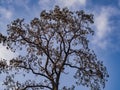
(51, 44)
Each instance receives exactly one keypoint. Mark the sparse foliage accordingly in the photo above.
(52, 43)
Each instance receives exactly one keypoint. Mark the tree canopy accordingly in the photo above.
(51, 44)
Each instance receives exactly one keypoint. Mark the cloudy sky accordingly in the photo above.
(105, 42)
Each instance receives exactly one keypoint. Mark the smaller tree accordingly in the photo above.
(52, 43)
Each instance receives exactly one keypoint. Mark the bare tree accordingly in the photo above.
(52, 43)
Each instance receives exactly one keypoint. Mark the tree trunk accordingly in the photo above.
(55, 87)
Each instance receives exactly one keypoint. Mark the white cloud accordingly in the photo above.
(43, 1)
(4, 13)
(70, 3)
(101, 23)
(46, 4)
(23, 3)
(6, 54)
(102, 26)
(5, 16)
(12, 4)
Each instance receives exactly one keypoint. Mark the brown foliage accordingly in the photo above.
(53, 42)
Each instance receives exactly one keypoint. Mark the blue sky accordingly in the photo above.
(105, 42)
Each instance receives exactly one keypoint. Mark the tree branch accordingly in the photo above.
(33, 71)
(39, 86)
(74, 66)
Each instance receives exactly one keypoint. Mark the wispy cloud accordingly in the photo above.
(22, 4)
(5, 13)
(47, 4)
(5, 16)
(119, 2)
(6, 1)
(6, 54)
(103, 26)
(71, 3)
(41, 2)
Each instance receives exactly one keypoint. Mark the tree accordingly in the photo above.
(52, 43)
